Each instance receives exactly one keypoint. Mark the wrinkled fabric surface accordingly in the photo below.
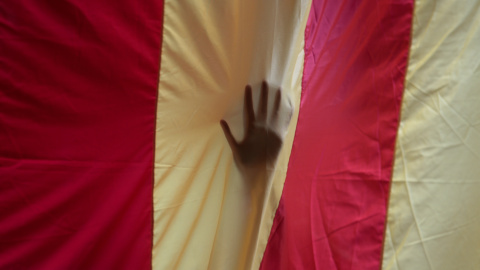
(211, 50)
(85, 143)
(78, 87)
(433, 220)
(333, 207)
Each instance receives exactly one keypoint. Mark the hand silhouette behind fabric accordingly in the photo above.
(255, 157)
(263, 136)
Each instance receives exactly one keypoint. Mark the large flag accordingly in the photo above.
(112, 155)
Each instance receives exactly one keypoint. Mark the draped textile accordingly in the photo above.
(112, 156)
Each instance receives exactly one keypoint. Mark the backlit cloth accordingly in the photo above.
(334, 203)
(433, 218)
(112, 156)
(209, 53)
(78, 87)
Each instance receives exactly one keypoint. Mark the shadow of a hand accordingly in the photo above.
(262, 142)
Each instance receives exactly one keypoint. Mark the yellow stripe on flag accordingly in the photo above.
(210, 51)
(433, 220)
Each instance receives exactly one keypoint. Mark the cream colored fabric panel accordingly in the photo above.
(211, 50)
(434, 217)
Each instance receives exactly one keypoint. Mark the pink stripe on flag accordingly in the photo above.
(78, 86)
(334, 203)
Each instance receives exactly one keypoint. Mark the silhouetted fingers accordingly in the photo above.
(228, 134)
(249, 114)
(263, 104)
(276, 105)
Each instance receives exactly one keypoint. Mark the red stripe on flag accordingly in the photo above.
(78, 86)
(334, 203)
